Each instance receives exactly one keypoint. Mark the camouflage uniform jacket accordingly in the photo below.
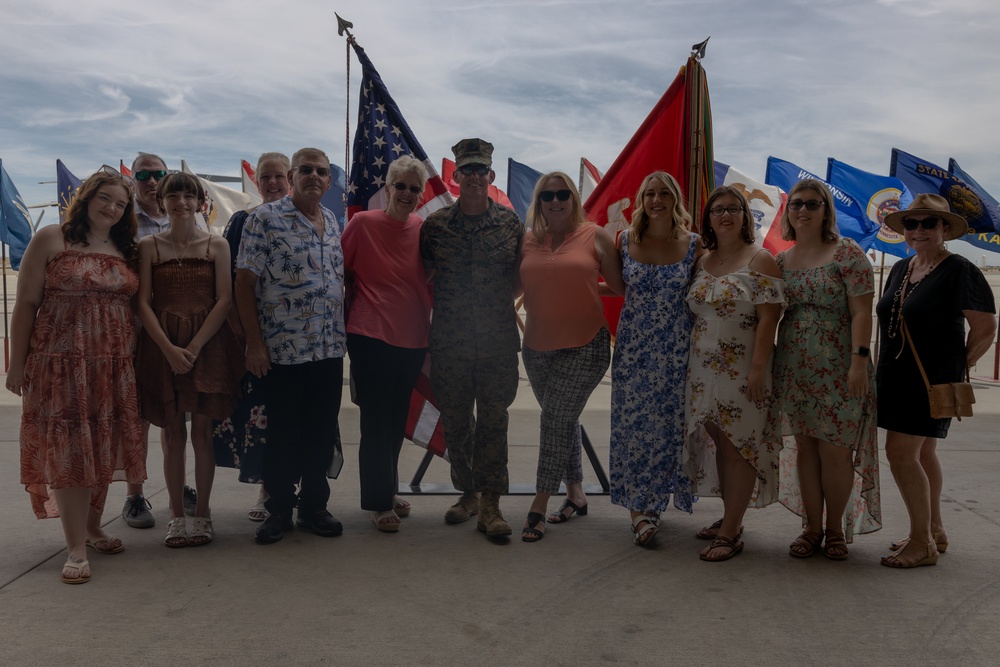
(475, 266)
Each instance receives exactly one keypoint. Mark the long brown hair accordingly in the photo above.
(77, 224)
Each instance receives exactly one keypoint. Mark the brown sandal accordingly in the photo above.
(711, 532)
(940, 539)
(894, 560)
(805, 545)
(835, 547)
(734, 546)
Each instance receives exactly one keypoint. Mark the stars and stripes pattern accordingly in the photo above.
(382, 135)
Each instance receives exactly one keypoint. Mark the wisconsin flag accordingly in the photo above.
(852, 221)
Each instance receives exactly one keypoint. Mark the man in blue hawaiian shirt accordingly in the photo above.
(290, 295)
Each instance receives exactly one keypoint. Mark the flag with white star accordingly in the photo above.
(382, 136)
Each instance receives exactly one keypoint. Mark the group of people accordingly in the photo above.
(704, 403)
(132, 313)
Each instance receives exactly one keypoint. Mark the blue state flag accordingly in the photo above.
(15, 222)
(986, 241)
(922, 176)
(66, 187)
(852, 221)
(521, 180)
(879, 196)
(334, 197)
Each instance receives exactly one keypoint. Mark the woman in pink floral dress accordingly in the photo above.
(825, 378)
(72, 341)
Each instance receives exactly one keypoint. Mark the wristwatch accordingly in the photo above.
(861, 351)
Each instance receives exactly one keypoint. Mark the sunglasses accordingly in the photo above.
(811, 205)
(718, 211)
(473, 169)
(305, 170)
(111, 171)
(145, 175)
(548, 195)
(910, 224)
(412, 188)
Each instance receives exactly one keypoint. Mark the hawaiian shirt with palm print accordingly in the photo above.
(300, 291)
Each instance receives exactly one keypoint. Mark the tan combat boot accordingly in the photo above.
(467, 506)
(491, 521)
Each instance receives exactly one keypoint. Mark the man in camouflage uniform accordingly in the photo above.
(470, 250)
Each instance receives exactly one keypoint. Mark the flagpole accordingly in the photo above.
(6, 315)
(342, 27)
(697, 139)
(881, 281)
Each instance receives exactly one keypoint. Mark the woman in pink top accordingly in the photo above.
(388, 319)
(566, 347)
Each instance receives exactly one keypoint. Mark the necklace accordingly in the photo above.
(98, 238)
(187, 247)
(903, 293)
(731, 255)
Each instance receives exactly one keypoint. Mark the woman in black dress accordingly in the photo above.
(935, 293)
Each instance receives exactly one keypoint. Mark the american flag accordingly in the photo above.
(382, 136)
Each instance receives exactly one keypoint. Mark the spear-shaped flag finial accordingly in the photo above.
(343, 26)
(698, 50)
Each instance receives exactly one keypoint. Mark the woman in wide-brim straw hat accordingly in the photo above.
(935, 293)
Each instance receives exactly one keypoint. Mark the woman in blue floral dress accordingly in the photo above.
(651, 357)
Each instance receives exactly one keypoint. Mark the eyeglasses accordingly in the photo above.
(306, 169)
(811, 205)
(910, 224)
(108, 169)
(412, 188)
(719, 211)
(145, 175)
(473, 169)
(548, 195)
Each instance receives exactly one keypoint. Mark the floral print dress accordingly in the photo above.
(647, 386)
(722, 345)
(810, 371)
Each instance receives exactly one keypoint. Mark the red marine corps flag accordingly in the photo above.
(676, 137)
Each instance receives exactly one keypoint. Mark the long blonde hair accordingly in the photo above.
(640, 219)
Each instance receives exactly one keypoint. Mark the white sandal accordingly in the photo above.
(201, 533)
(639, 534)
(176, 530)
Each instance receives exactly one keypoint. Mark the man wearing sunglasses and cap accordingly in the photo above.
(470, 251)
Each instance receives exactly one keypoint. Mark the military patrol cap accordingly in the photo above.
(473, 151)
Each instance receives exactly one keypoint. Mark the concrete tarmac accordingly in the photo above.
(435, 594)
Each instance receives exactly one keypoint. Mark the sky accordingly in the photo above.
(547, 82)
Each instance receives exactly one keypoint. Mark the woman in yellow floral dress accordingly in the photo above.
(731, 449)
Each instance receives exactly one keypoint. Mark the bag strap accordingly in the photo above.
(916, 357)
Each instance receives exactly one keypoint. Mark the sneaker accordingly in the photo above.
(274, 528)
(136, 512)
(190, 501)
(467, 506)
(320, 522)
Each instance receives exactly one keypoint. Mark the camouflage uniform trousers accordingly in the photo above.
(477, 444)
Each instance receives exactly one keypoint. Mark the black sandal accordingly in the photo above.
(573, 508)
(532, 533)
